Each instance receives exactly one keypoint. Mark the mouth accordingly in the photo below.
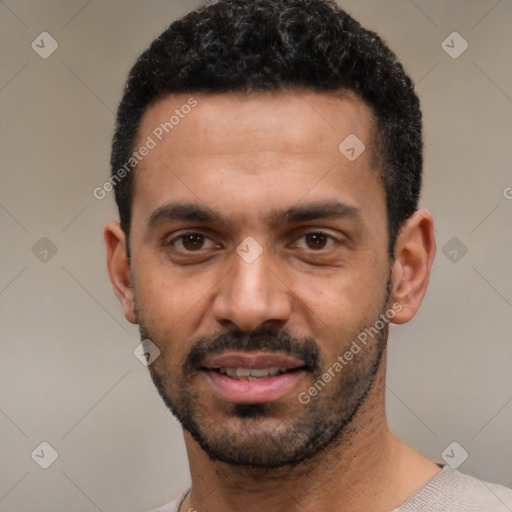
(252, 373)
(252, 378)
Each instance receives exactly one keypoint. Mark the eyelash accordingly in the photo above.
(316, 232)
(183, 235)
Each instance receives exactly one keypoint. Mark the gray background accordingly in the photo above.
(68, 375)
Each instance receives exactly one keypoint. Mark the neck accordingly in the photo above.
(368, 468)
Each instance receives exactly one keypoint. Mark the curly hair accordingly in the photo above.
(278, 45)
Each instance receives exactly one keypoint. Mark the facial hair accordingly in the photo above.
(258, 435)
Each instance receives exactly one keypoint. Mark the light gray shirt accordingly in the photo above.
(448, 491)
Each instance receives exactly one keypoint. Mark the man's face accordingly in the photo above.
(257, 244)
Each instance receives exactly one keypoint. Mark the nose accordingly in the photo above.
(252, 295)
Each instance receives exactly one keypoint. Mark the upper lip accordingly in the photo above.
(252, 360)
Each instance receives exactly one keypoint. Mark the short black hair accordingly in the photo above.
(280, 45)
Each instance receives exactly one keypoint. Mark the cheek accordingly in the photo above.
(163, 305)
(345, 295)
(163, 295)
(336, 309)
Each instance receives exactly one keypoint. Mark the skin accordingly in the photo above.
(247, 156)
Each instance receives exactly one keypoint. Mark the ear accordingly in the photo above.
(414, 255)
(119, 268)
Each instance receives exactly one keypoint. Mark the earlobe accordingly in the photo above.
(119, 268)
(414, 255)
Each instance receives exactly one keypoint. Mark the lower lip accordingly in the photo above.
(253, 391)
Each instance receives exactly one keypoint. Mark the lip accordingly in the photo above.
(252, 360)
(253, 391)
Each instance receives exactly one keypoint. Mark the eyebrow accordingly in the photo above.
(191, 212)
(314, 211)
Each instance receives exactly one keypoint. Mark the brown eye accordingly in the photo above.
(316, 240)
(192, 242)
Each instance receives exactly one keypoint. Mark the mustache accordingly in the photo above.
(267, 340)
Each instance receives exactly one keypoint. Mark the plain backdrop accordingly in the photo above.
(68, 375)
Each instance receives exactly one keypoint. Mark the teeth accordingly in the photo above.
(243, 372)
(251, 373)
(263, 372)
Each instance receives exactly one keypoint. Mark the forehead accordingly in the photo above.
(303, 119)
(256, 151)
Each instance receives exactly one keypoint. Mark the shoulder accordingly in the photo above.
(172, 506)
(453, 491)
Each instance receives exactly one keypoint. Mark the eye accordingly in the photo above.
(316, 240)
(191, 242)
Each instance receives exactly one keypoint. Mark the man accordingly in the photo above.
(267, 166)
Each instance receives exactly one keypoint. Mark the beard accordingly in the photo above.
(274, 434)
